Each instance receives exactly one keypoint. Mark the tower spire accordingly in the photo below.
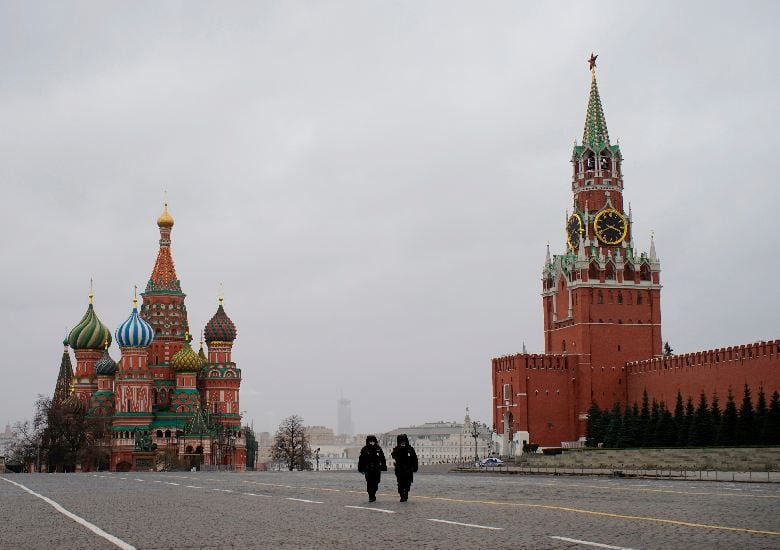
(595, 133)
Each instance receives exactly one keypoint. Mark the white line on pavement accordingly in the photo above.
(304, 500)
(170, 483)
(81, 521)
(157, 481)
(223, 490)
(588, 543)
(193, 487)
(137, 479)
(467, 524)
(256, 495)
(372, 509)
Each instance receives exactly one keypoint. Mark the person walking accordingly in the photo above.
(405, 465)
(371, 464)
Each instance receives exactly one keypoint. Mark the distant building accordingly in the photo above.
(345, 426)
(441, 442)
(319, 436)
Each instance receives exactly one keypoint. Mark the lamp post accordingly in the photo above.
(475, 426)
(317, 458)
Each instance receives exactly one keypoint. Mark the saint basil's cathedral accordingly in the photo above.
(161, 396)
(601, 300)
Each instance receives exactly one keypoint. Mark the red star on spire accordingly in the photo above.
(592, 61)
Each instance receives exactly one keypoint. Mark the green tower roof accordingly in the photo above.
(595, 134)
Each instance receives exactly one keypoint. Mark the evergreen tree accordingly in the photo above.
(666, 431)
(746, 431)
(761, 413)
(627, 437)
(685, 428)
(771, 433)
(728, 423)
(643, 421)
(602, 426)
(649, 435)
(715, 417)
(679, 422)
(700, 433)
(593, 435)
(612, 437)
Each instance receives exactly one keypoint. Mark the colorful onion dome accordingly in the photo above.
(186, 360)
(105, 365)
(134, 332)
(220, 328)
(90, 332)
(165, 219)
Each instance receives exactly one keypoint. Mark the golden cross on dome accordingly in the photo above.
(91, 294)
(135, 296)
(592, 61)
(221, 293)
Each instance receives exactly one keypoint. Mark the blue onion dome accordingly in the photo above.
(186, 360)
(220, 328)
(105, 365)
(134, 332)
(90, 332)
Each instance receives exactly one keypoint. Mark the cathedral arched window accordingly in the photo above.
(590, 161)
(605, 161)
(644, 272)
(593, 271)
(610, 273)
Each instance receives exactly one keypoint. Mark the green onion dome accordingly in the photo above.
(105, 365)
(186, 360)
(220, 328)
(90, 332)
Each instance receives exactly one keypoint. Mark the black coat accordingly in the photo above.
(405, 460)
(372, 460)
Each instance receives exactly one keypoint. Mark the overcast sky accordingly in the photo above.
(374, 182)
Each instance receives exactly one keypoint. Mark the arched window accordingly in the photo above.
(628, 273)
(563, 345)
(600, 298)
(593, 271)
(159, 433)
(639, 298)
(620, 298)
(644, 272)
(610, 274)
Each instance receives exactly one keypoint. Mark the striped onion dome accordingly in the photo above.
(220, 328)
(186, 360)
(134, 332)
(105, 365)
(90, 332)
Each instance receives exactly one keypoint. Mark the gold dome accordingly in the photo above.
(165, 219)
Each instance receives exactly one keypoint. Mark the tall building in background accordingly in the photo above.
(345, 426)
(602, 317)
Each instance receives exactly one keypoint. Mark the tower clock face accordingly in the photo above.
(610, 226)
(573, 230)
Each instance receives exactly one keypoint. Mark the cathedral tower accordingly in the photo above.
(87, 339)
(163, 308)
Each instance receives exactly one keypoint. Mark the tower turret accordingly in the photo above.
(220, 380)
(64, 378)
(163, 305)
(86, 339)
(134, 379)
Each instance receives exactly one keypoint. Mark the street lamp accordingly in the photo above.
(317, 457)
(475, 426)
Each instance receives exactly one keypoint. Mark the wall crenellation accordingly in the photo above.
(743, 353)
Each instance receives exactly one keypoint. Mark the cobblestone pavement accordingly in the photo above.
(331, 510)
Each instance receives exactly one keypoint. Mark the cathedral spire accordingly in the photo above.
(164, 273)
(65, 378)
(595, 134)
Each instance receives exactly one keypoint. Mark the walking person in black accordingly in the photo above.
(405, 465)
(371, 464)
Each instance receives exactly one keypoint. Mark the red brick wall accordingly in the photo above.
(709, 371)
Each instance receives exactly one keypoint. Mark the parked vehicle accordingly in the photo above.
(491, 461)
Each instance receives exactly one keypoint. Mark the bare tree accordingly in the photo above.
(291, 446)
